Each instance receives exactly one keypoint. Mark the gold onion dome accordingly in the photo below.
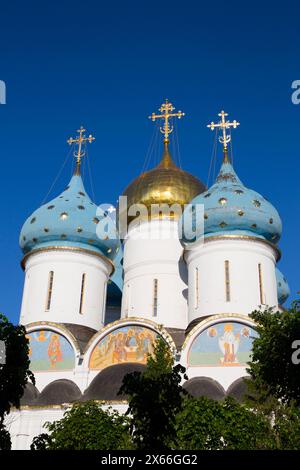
(164, 184)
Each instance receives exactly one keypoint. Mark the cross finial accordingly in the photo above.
(223, 124)
(80, 152)
(166, 113)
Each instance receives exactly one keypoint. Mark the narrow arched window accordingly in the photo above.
(49, 290)
(127, 294)
(104, 303)
(82, 293)
(155, 301)
(227, 281)
(261, 288)
(197, 288)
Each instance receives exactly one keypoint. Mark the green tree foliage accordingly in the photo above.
(287, 428)
(5, 442)
(205, 424)
(285, 417)
(198, 424)
(155, 397)
(85, 426)
(272, 369)
(14, 373)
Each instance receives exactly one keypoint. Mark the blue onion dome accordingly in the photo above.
(71, 219)
(283, 290)
(231, 208)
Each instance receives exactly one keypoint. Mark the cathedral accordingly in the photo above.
(174, 259)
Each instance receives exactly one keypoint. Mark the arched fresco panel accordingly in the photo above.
(50, 351)
(222, 344)
(129, 343)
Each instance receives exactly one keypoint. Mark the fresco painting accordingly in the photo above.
(49, 351)
(223, 344)
(126, 344)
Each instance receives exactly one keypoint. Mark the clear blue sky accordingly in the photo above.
(108, 65)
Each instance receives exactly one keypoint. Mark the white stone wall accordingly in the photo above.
(153, 251)
(208, 297)
(28, 422)
(68, 268)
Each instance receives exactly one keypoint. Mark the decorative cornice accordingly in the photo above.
(136, 221)
(147, 263)
(215, 318)
(64, 406)
(244, 238)
(74, 249)
(149, 217)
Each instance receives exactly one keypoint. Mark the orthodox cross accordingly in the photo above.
(166, 113)
(79, 141)
(223, 125)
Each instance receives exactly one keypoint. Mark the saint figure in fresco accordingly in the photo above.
(212, 332)
(245, 332)
(229, 344)
(54, 350)
(150, 336)
(42, 337)
(131, 338)
(110, 345)
(142, 349)
(119, 354)
(131, 345)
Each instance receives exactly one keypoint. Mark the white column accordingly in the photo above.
(155, 275)
(230, 275)
(65, 286)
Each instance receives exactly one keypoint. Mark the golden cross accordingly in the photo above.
(223, 125)
(80, 140)
(166, 113)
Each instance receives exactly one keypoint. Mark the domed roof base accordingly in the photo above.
(238, 390)
(58, 392)
(108, 382)
(30, 395)
(204, 387)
